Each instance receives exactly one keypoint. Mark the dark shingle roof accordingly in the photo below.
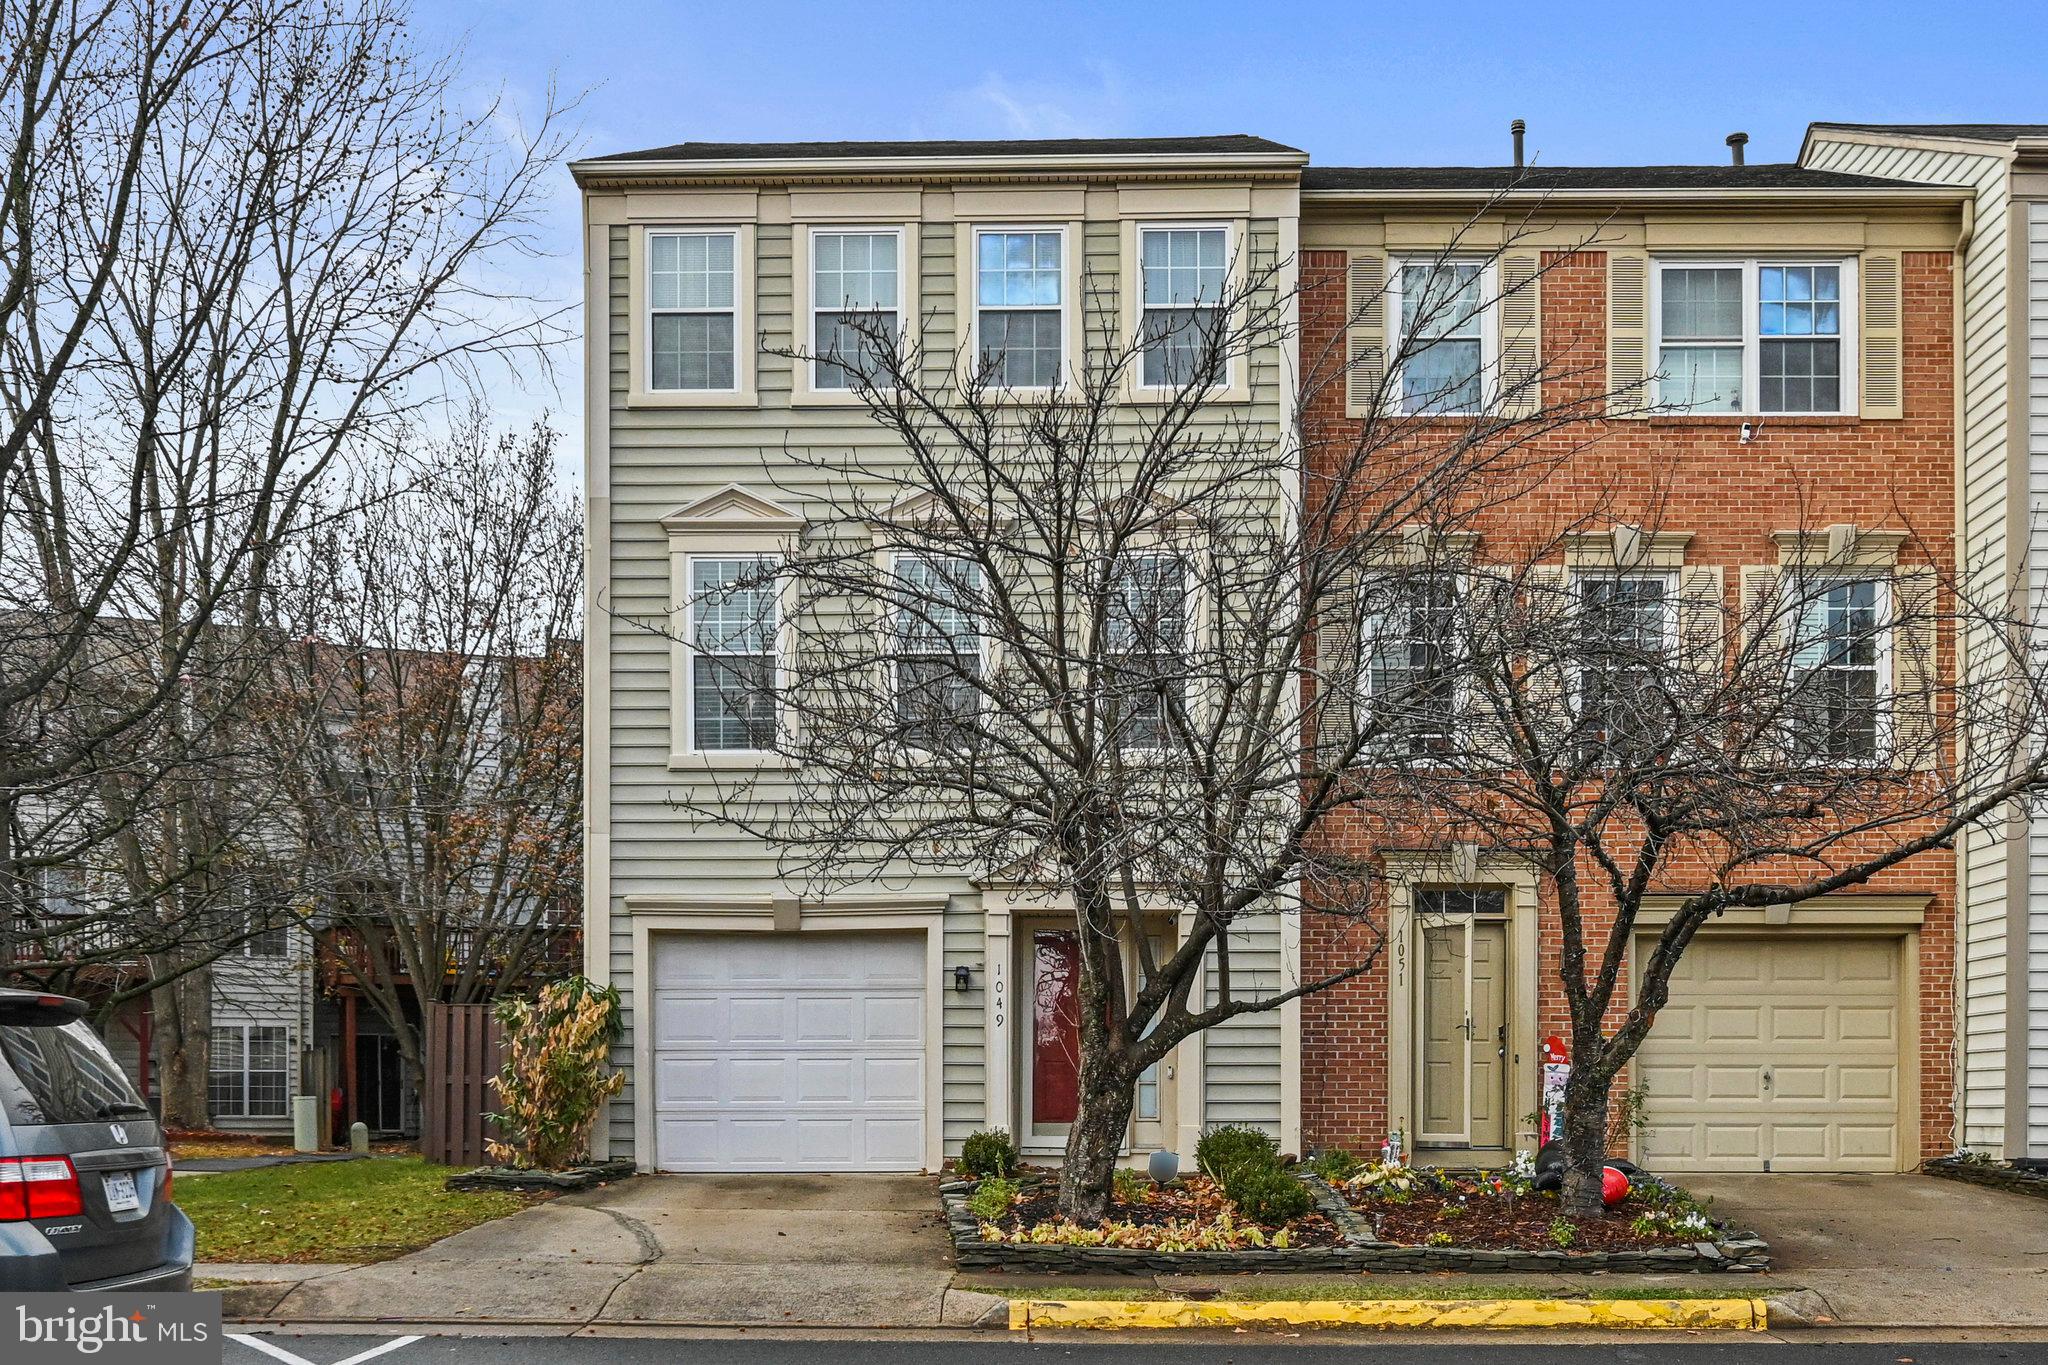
(1239, 143)
(1974, 132)
(1539, 179)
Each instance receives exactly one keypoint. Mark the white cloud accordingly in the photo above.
(1004, 107)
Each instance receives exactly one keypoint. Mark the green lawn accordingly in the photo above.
(333, 1211)
(1363, 1289)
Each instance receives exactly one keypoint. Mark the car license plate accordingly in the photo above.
(121, 1196)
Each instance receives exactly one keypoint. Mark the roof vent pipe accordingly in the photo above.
(1736, 142)
(1517, 128)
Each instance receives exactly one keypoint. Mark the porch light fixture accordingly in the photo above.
(961, 976)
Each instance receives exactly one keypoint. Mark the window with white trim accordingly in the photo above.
(732, 625)
(1411, 695)
(248, 1072)
(1183, 273)
(1442, 328)
(1627, 628)
(855, 303)
(1146, 633)
(1840, 669)
(1020, 305)
(692, 342)
(937, 646)
(1755, 336)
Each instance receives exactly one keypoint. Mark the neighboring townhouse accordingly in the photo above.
(872, 1030)
(1815, 1038)
(2002, 411)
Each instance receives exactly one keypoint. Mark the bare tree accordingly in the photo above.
(1071, 640)
(432, 747)
(246, 249)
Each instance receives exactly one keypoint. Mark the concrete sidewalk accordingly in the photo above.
(726, 1251)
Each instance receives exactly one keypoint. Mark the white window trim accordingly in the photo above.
(805, 391)
(970, 272)
(1752, 340)
(1576, 583)
(640, 370)
(1791, 595)
(1394, 305)
(776, 664)
(245, 1029)
(1462, 585)
(1188, 623)
(892, 563)
(1235, 386)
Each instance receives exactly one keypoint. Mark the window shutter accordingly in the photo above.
(1702, 625)
(1520, 346)
(1365, 313)
(1628, 333)
(1763, 681)
(1915, 684)
(1547, 683)
(1883, 384)
(1337, 666)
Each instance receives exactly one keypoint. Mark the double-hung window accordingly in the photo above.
(692, 319)
(1754, 336)
(1020, 305)
(1442, 337)
(1839, 660)
(1411, 695)
(1184, 272)
(248, 1073)
(855, 304)
(732, 653)
(1625, 639)
(937, 647)
(1146, 630)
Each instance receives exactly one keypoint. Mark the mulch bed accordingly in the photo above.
(1196, 1196)
(1493, 1223)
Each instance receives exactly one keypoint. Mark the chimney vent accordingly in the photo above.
(1736, 142)
(1517, 128)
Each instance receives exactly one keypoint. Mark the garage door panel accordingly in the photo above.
(1821, 1016)
(789, 1052)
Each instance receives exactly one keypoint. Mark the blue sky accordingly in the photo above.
(1364, 83)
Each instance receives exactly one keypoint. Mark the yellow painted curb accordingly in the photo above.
(1736, 1315)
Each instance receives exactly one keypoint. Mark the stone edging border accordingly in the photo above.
(1992, 1174)
(1742, 1253)
(518, 1178)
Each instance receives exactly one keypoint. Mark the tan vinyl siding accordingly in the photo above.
(2035, 971)
(661, 458)
(1241, 1057)
(1984, 499)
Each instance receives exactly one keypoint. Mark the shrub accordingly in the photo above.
(988, 1152)
(554, 1081)
(1131, 1186)
(1232, 1147)
(1269, 1195)
(1437, 1239)
(992, 1198)
(1563, 1231)
(1334, 1164)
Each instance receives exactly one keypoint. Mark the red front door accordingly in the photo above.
(1055, 1027)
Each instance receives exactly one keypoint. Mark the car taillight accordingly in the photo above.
(39, 1187)
(169, 1171)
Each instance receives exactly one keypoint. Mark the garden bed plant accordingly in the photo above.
(1493, 1210)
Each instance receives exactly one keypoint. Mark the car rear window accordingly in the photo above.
(62, 1075)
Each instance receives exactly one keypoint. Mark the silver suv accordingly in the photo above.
(85, 1182)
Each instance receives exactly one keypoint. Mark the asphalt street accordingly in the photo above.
(286, 1349)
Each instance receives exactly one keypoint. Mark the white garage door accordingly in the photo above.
(789, 1052)
(1776, 1054)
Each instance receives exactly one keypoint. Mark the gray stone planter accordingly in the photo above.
(1741, 1253)
(516, 1178)
(1995, 1174)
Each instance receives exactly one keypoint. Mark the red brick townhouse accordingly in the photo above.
(1815, 1038)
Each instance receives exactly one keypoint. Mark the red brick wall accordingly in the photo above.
(1731, 497)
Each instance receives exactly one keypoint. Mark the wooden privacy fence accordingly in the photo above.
(465, 1048)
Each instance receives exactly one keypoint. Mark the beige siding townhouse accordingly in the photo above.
(768, 1030)
(2002, 494)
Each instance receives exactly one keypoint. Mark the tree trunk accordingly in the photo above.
(183, 1011)
(1585, 1143)
(1094, 1140)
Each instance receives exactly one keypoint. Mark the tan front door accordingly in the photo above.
(1464, 1022)
(1777, 1054)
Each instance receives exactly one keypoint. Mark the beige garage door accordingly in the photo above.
(1777, 1054)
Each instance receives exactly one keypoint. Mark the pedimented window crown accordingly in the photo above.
(733, 509)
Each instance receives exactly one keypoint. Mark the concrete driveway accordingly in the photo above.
(840, 1250)
(1897, 1250)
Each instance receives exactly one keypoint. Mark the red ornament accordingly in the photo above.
(1613, 1186)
